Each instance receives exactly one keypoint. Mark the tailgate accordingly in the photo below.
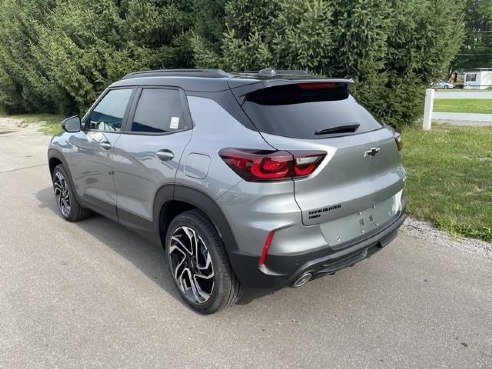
(361, 176)
(360, 172)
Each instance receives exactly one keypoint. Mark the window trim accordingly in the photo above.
(188, 122)
(96, 103)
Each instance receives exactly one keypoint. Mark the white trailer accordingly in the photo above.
(480, 79)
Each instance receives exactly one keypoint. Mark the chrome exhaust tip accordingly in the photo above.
(302, 280)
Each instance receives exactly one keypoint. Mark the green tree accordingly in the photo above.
(24, 83)
(90, 43)
(476, 50)
(392, 49)
(208, 18)
(58, 55)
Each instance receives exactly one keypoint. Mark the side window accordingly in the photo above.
(109, 112)
(471, 77)
(158, 111)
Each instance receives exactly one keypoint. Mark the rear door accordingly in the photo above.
(147, 155)
(361, 173)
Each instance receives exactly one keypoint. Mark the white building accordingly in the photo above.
(480, 78)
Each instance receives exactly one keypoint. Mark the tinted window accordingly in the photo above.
(158, 111)
(292, 111)
(109, 112)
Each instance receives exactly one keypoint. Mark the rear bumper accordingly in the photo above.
(282, 271)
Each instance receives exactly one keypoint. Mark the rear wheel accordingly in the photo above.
(198, 263)
(65, 198)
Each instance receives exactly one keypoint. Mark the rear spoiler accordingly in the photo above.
(240, 90)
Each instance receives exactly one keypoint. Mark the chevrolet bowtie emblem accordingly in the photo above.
(371, 152)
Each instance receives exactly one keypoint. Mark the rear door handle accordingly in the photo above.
(164, 155)
(105, 145)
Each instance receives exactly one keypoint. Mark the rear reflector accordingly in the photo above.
(266, 246)
(261, 165)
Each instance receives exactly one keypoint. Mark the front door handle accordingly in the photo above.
(164, 155)
(105, 145)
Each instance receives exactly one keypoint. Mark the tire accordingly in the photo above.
(65, 198)
(214, 284)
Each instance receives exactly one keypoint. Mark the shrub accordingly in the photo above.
(393, 50)
(58, 55)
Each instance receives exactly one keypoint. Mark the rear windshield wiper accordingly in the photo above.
(347, 128)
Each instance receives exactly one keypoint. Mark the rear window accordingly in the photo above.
(158, 111)
(292, 111)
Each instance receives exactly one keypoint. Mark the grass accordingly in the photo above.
(51, 123)
(483, 106)
(450, 178)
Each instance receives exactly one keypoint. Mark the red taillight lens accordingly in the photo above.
(260, 165)
(304, 170)
(273, 167)
(305, 162)
(398, 140)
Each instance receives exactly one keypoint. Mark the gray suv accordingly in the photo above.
(259, 179)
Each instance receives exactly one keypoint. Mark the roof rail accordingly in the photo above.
(205, 73)
(272, 73)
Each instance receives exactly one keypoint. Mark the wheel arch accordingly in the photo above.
(55, 158)
(174, 199)
(53, 162)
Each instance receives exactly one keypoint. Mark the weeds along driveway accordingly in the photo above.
(93, 294)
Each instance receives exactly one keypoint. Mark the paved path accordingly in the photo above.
(94, 295)
(464, 118)
(463, 95)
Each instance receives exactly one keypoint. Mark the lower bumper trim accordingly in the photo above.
(284, 270)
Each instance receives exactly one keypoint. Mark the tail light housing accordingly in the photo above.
(398, 139)
(262, 165)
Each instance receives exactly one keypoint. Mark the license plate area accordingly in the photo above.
(362, 223)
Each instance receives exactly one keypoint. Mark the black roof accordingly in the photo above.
(204, 73)
(219, 80)
(217, 73)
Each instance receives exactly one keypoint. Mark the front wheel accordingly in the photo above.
(65, 198)
(199, 264)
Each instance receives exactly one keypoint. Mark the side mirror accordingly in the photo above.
(72, 124)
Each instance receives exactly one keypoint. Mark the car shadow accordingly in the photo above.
(146, 256)
(143, 254)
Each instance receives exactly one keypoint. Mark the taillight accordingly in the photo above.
(261, 165)
(398, 140)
